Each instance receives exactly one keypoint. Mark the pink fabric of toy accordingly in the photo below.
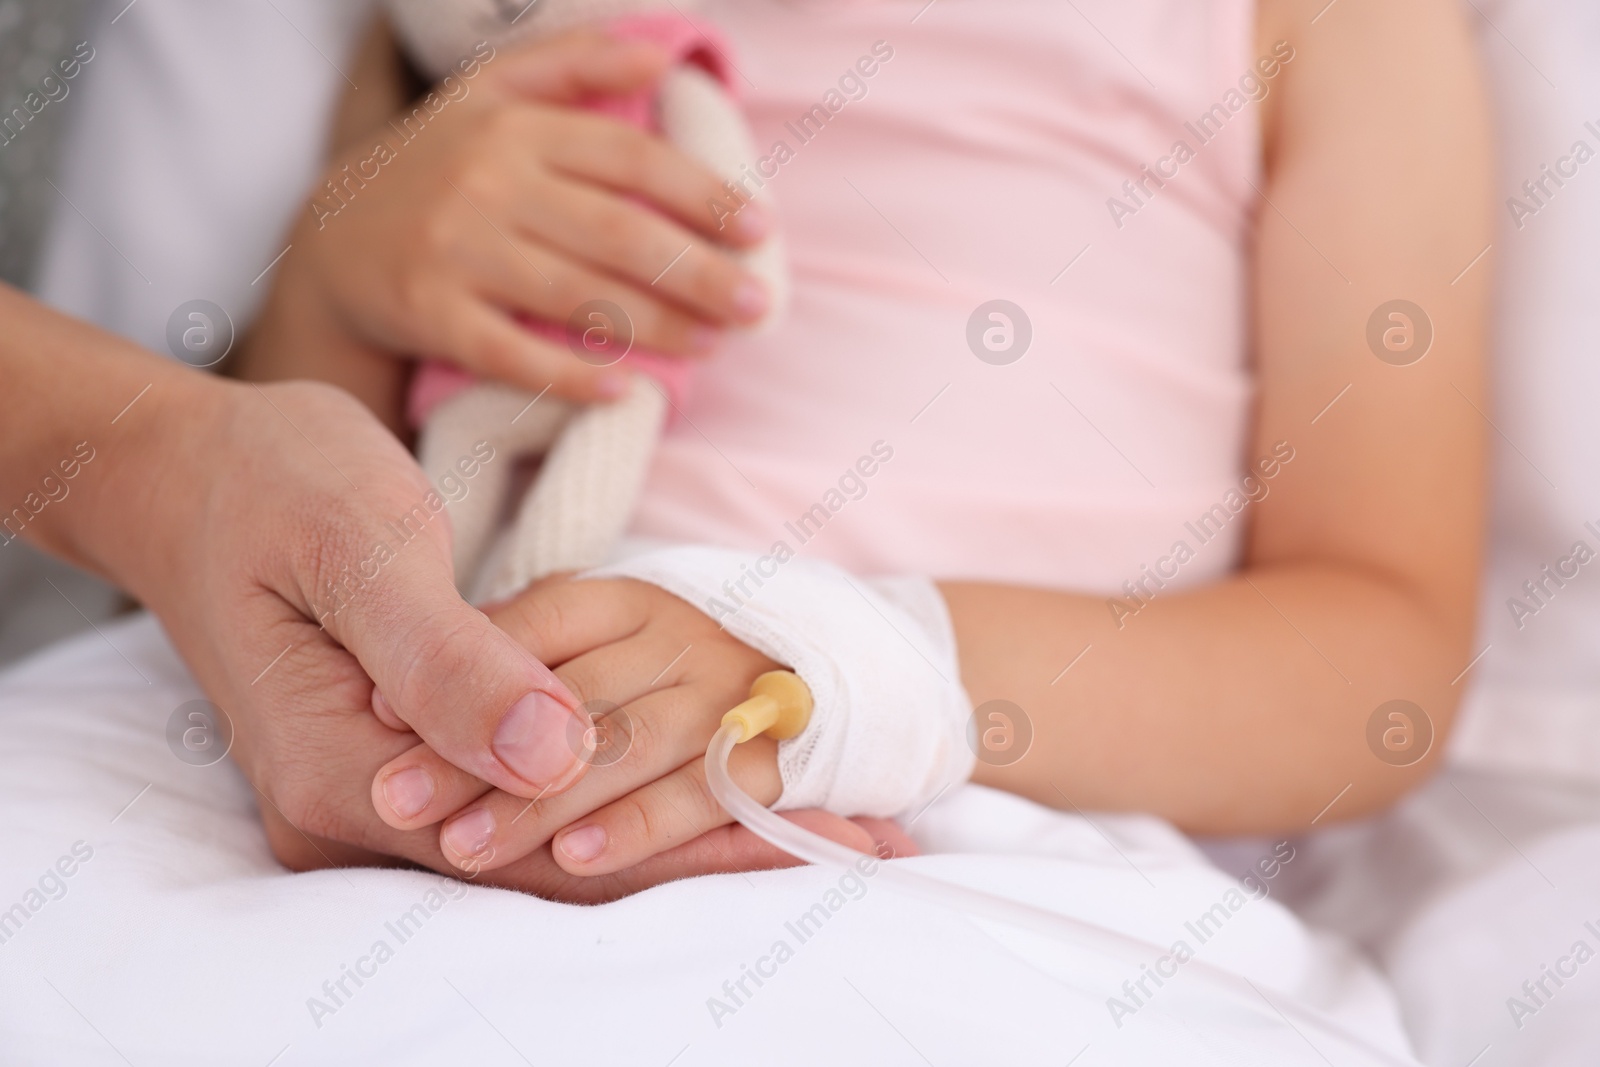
(687, 42)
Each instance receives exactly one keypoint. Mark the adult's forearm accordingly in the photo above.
(1235, 708)
(79, 436)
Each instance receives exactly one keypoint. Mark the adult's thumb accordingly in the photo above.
(474, 695)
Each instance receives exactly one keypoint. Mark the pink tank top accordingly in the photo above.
(927, 159)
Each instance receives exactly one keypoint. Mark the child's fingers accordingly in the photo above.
(592, 223)
(575, 65)
(522, 272)
(656, 660)
(559, 619)
(490, 343)
(669, 811)
(615, 675)
(629, 160)
(630, 748)
(420, 787)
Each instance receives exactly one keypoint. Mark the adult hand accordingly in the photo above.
(241, 515)
(287, 543)
(510, 201)
(294, 550)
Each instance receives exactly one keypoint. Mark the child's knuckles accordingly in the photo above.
(630, 157)
(677, 809)
(416, 291)
(534, 619)
(691, 795)
(439, 232)
(502, 356)
(642, 824)
(570, 289)
(510, 124)
(486, 183)
(649, 745)
(619, 235)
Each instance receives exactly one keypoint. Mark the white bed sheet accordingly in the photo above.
(180, 940)
(1470, 887)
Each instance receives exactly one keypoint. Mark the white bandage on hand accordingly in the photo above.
(889, 732)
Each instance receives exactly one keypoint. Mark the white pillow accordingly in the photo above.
(1534, 701)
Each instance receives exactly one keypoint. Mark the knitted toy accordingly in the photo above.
(594, 457)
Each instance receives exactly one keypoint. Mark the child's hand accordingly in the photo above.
(508, 201)
(657, 674)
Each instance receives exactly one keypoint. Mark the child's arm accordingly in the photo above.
(492, 199)
(1245, 706)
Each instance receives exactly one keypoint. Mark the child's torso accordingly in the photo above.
(984, 159)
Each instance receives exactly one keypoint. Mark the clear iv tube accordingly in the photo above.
(814, 848)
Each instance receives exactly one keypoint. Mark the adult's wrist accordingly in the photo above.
(88, 437)
(155, 463)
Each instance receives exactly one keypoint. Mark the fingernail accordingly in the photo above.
(704, 339)
(584, 843)
(534, 739)
(753, 222)
(408, 791)
(611, 386)
(469, 835)
(750, 299)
